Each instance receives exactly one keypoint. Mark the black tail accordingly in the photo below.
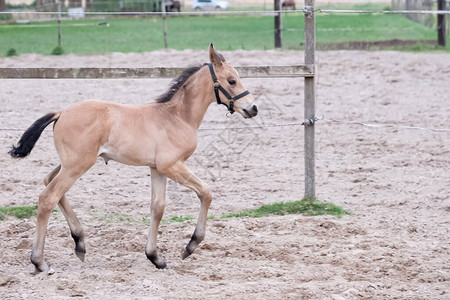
(31, 135)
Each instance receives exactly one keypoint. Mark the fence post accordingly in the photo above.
(163, 3)
(59, 23)
(276, 4)
(310, 100)
(441, 28)
(2, 5)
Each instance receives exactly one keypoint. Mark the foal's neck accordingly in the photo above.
(194, 98)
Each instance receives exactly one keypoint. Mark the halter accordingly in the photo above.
(218, 87)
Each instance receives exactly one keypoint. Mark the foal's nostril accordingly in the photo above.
(255, 108)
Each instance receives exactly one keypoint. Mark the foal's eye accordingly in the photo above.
(232, 82)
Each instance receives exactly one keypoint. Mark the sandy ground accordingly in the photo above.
(395, 181)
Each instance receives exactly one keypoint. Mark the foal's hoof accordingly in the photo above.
(80, 255)
(40, 266)
(160, 266)
(49, 271)
(158, 262)
(185, 252)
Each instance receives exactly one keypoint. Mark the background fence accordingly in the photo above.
(252, 29)
(424, 19)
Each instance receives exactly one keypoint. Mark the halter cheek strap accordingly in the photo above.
(218, 87)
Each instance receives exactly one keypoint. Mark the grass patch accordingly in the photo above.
(58, 51)
(11, 52)
(362, 6)
(111, 217)
(116, 217)
(418, 47)
(20, 212)
(177, 219)
(305, 206)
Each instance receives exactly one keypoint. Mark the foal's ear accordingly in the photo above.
(215, 57)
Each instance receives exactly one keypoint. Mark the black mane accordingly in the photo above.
(177, 83)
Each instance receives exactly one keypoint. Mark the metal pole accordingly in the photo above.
(310, 100)
(277, 29)
(441, 23)
(59, 24)
(2, 5)
(164, 23)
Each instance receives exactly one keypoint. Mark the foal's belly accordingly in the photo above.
(134, 157)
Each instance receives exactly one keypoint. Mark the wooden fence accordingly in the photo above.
(306, 70)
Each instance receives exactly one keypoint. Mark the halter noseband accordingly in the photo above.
(218, 87)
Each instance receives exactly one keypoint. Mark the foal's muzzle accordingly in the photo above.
(250, 111)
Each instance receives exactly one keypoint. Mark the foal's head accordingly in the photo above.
(229, 89)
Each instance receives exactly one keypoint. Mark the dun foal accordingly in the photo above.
(161, 135)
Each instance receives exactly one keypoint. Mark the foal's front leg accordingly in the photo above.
(183, 175)
(157, 210)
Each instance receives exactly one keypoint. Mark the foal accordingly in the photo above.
(161, 135)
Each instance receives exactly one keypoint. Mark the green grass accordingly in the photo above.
(226, 32)
(418, 47)
(305, 206)
(11, 52)
(362, 6)
(177, 219)
(112, 217)
(361, 27)
(21, 212)
(58, 51)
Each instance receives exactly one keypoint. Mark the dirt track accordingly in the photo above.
(395, 181)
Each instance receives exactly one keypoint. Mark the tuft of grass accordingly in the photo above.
(58, 51)
(177, 219)
(310, 207)
(11, 52)
(145, 219)
(116, 217)
(21, 212)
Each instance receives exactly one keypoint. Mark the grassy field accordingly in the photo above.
(227, 33)
(20, 212)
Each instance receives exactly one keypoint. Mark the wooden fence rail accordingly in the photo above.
(157, 72)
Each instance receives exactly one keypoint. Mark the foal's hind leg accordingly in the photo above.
(48, 199)
(183, 175)
(157, 210)
(76, 229)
